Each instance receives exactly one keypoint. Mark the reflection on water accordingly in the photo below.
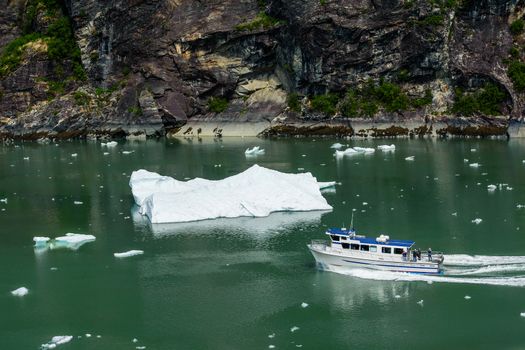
(255, 228)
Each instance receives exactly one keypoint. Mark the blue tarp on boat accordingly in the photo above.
(367, 240)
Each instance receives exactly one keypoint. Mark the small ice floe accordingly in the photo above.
(40, 241)
(78, 203)
(105, 153)
(421, 302)
(468, 297)
(473, 150)
(397, 296)
(509, 188)
(142, 347)
(255, 151)
(465, 160)
(491, 188)
(387, 148)
(327, 184)
(26, 158)
(474, 165)
(294, 328)
(135, 340)
(128, 253)
(71, 241)
(109, 144)
(303, 305)
(411, 158)
(364, 149)
(88, 335)
(127, 152)
(346, 152)
(365, 203)
(3, 200)
(271, 346)
(337, 145)
(520, 206)
(477, 221)
(522, 314)
(57, 340)
(455, 213)
(74, 154)
(271, 335)
(20, 292)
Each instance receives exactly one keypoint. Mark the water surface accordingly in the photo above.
(240, 283)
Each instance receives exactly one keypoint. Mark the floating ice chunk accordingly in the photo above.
(71, 241)
(255, 151)
(364, 149)
(421, 302)
(468, 297)
(337, 145)
(105, 153)
(40, 241)
(271, 335)
(142, 347)
(455, 214)
(465, 160)
(57, 340)
(522, 314)
(3, 200)
(128, 253)
(411, 158)
(477, 221)
(509, 188)
(365, 203)
(387, 148)
(135, 340)
(26, 158)
(294, 328)
(109, 144)
(474, 165)
(303, 305)
(20, 292)
(255, 192)
(127, 152)
(88, 335)
(491, 188)
(397, 296)
(74, 154)
(520, 206)
(473, 150)
(78, 202)
(346, 152)
(271, 346)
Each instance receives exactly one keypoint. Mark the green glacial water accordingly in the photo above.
(240, 283)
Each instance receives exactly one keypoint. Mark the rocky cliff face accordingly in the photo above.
(149, 66)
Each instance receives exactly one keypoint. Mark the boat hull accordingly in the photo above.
(332, 261)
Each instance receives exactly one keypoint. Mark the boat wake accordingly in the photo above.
(459, 268)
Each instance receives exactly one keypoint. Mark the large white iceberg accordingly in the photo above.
(57, 340)
(255, 192)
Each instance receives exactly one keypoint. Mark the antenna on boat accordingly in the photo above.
(352, 221)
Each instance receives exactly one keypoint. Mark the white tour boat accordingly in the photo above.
(347, 250)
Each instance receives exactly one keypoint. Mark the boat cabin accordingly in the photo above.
(348, 239)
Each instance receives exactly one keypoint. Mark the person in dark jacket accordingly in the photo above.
(429, 252)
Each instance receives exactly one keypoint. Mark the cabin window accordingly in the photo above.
(354, 246)
(343, 238)
(345, 245)
(364, 247)
(386, 250)
(373, 248)
(335, 238)
(398, 250)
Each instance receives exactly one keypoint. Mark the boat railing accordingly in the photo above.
(319, 244)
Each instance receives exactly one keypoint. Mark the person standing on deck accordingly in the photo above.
(429, 254)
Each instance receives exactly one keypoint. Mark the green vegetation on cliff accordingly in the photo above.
(485, 101)
(55, 30)
(217, 104)
(368, 100)
(262, 21)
